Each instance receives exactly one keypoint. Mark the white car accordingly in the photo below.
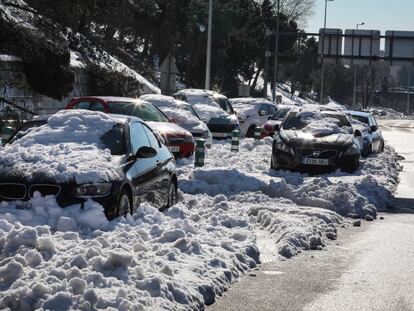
(252, 113)
(182, 114)
(372, 140)
(215, 109)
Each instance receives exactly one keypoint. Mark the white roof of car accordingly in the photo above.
(251, 101)
(359, 113)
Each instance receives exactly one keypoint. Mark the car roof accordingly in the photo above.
(109, 98)
(251, 100)
(359, 113)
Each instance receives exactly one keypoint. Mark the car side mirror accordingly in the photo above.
(374, 128)
(357, 133)
(204, 119)
(146, 152)
(269, 118)
(262, 112)
(276, 127)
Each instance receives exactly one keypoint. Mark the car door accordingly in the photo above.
(145, 169)
(161, 181)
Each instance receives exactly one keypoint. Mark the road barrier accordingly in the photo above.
(257, 133)
(200, 153)
(235, 141)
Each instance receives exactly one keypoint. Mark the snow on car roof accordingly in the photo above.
(359, 113)
(109, 98)
(67, 148)
(199, 92)
(251, 100)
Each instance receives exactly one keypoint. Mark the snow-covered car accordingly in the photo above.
(252, 113)
(276, 119)
(181, 113)
(372, 139)
(215, 110)
(316, 139)
(77, 155)
(178, 140)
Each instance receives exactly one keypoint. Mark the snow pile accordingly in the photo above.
(319, 124)
(211, 111)
(244, 110)
(66, 148)
(59, 259)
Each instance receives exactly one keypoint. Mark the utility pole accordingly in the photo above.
(276, 67)
(355, 72)
(266, 65)
(409, 90)
(322, 52)
(208, 62)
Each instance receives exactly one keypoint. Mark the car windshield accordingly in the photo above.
(225, 105)
(361, 119)
(296, 121)
(191, 110)
(146, 112)
(280, 114)
(114, 139)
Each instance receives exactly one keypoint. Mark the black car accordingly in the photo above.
(315, 141)
(145, 169)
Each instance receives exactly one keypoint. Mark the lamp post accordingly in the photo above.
(355, 72)
(322, 51)
(208, 61)
(276, 67)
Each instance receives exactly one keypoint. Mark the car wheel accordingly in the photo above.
(272, 164)
(124, 205)
(250, 131)
(382, 147)
(366, 151)
(172, 195)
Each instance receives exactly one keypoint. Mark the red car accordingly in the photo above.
(178, 140)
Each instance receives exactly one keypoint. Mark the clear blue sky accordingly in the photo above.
(377, 14)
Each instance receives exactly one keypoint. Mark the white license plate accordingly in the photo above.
(312, 161)
(174, 148)
(219, 134)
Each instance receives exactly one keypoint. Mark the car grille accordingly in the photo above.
(16, 191)
(44, 190)
(221, 128)
(317, 153)
(13, 191)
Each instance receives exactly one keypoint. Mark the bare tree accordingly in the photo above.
(297, 10)
(371, 79)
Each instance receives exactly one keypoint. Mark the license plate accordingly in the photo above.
(312, 161)
(219, 134)
(174, 148)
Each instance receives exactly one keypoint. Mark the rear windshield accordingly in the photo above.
(296, 122)
(146, 112)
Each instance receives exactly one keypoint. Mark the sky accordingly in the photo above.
(377, 14)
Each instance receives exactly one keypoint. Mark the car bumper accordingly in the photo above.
(286, 160)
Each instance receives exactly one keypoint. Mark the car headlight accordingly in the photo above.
(280, 144)
(206, 134)
(93, 190)
(188, 139)
(354, 149)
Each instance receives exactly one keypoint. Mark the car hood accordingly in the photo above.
(299, 138)
(168, 128)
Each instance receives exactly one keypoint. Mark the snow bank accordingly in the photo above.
(181, 259)
(66, 148)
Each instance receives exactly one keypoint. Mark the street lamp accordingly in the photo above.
(322, 51)
(276, 68)
(355, 72)
(208, 61)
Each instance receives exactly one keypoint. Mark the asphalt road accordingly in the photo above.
(367, 268)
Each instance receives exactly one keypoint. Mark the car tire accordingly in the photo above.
(272, 164)
(124, 204)
(250, 131)
(172, 195)
(367, 150)
(382, 147)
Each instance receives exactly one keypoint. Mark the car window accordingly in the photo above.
(146, 112)
(82, 105)
(361, 119)
(152, 138)
(25, 128)
(264, 108)
(138, 137)
(96, 106)
(374, 122)
(115, 140)
(280, 114)
(225, 105)
(272, 109)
